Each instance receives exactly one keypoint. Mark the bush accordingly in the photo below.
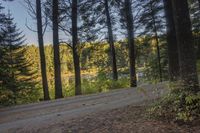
(180, 104)
(102, 83)
(6, 97)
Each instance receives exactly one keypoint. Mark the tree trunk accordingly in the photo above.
(158, 55)
(75, 49)
(111, 41)
(41, 49)
(131, 43)
(157, 43)
(184, 36)
(174, 69)
(57, 71)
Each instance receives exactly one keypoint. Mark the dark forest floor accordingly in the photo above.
(131, 119)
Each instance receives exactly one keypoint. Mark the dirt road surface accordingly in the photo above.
(34, 117)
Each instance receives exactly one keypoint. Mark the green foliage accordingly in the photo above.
(6, 97)
(94, 59)
(29, 95)
(15, 72)
(103, 85)
(181, 104)
(147, 59)
(23, 96)
(151, 16)
(95, 55)
(90, 84)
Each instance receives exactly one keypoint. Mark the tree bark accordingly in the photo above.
(41, 50)
(158, 54)
(157, 43)
(184, 36)
(75, 48)
(174, 69)
(111, 41)
(131, 43)
(57, 71)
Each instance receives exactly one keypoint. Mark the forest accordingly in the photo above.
(107, 45)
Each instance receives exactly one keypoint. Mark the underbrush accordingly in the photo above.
(101, 83)
(24, 96)
(180, 105)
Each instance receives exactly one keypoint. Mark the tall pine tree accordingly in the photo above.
(187, 58)
(57, 68)
(76, 59)
(41, 50)
(15, 74)
(174, 69)
(101, 18)
(151, 18)
(131, 43)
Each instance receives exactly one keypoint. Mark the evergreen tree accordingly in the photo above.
(67, 17)
(187, 58)
(174, 69)
(41, 49)
(36, 12)
(2, 15)
(131, 43)
(195, 19)
(100, 16)
(2, 51)
(75, 48)
(2, 18)
(57, 69)
(15, 74)
(111, 39)
(151, 19)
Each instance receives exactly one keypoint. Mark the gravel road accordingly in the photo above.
(31, 117)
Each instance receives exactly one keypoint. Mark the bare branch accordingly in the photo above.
(26, 24)
(68, 44)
